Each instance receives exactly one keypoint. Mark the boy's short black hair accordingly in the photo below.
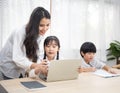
(87, 47)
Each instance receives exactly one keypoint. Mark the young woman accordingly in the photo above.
(51, 52)
(21, 51)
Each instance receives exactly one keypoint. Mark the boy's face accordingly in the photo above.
(88, 57)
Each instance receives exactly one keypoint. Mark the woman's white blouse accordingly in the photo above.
(13, 60)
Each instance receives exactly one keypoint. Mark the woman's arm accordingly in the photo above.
(38, 68)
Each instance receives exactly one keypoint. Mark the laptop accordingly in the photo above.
(60, 70)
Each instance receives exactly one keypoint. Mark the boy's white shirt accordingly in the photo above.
(94, 63)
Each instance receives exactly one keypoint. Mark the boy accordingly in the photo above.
(89, 63)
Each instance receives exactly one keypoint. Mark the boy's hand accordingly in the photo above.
(116, 66)
(114, 71)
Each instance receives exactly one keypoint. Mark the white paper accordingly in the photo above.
(104, 73)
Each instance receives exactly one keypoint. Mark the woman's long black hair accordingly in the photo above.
(51, 39)
(32, 32)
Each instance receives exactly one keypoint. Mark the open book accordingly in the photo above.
(104, 73)
(32, 85)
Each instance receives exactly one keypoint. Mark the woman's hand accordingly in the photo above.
(41, 68)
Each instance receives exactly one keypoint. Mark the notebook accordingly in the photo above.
(63, 70)
(105, 74)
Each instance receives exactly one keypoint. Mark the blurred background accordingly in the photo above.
(73, 22)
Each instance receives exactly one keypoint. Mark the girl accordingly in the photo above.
(51, 48)
(51, 52)
(20, 52)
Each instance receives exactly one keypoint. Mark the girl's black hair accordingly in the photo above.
(87, 47)
(32, 32)
(51, 39)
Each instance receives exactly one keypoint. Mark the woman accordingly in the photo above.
(21, 51)
(51, 52)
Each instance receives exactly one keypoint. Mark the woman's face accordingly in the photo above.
(51, 50)
(44, 26)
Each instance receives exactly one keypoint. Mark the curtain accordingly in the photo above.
(16, 13)
(77, 21)
(73, 22)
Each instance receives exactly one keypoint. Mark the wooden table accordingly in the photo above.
(86, 83)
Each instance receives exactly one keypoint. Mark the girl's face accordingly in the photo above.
(88, 57)
(51, 50)
(44, 26)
